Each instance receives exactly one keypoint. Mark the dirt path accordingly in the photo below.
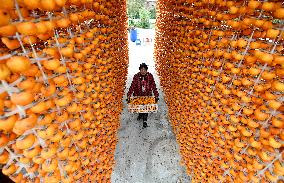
(148, 155)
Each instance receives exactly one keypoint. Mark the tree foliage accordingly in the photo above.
(133, 8)
(136, 10)
(144, 18)
(153, 13)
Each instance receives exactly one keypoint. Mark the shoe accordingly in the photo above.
(144, 117)
(139, 117)
(145, 125)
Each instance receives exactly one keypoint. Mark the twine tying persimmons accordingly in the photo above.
(59, 103)
(221, 67)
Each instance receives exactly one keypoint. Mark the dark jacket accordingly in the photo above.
(136, 86)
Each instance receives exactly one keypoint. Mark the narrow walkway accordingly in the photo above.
(148, 155)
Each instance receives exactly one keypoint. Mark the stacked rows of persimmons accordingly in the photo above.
(221, 65)
(62, 70)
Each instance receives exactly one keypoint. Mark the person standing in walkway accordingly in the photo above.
(143, 84)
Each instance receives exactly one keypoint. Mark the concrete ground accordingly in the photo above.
(149, 155)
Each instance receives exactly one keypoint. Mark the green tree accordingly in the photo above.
(153, 13)
(131, 23)
(144, 18)
(133, 8)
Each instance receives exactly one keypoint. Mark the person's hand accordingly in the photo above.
(156, 99)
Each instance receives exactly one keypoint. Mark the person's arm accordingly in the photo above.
(154, 87)
(132, 87)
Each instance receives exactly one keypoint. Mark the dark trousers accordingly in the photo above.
(143, 116)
